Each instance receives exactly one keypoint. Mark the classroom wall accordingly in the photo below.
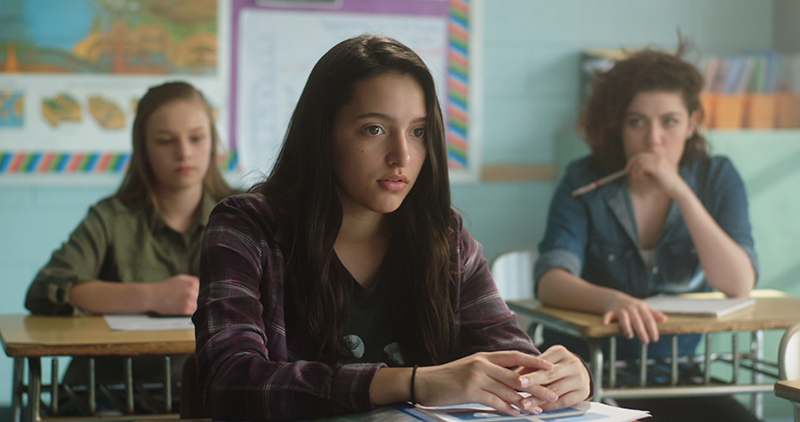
(531, 98)
(787, 32)
(531, 52)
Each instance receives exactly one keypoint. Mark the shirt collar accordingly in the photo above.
(618, 197)
(207, 203)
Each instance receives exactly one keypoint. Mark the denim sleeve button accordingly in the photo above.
(611, 258)
(655, 270)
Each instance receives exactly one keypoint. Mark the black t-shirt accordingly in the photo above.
(373, 331)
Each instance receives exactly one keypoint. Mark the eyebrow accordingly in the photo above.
(385, 117)
(194, 129)
(671, 113)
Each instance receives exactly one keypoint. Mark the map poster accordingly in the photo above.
(72, 72)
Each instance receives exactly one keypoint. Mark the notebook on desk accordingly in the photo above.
(698, 307)
(581, 412)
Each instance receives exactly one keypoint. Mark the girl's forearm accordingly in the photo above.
(727, 266)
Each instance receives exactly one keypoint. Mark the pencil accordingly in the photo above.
(599, 182)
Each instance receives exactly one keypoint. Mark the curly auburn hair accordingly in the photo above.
(613, 91)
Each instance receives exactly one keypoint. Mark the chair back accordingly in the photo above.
(789, 353)
(191, 398)
(789, 359)
(512, 271)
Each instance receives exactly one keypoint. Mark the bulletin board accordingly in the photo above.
(72, 72)
(277, 43)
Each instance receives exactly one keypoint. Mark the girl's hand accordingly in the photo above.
(485, 378)
(654, 168)
(568, 378)
(634, 317)
(176, 295)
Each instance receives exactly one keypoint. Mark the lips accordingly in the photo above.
(394, 182)
(399, 178)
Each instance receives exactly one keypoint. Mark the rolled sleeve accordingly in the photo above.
(566, 235)
(78, 260)
(558, 258)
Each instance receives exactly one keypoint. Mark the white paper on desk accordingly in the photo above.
(582, 412)
(689, 306)
(139, 322)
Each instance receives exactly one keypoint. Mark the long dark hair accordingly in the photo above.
(613, 91)
(303, 182)
(137, 189)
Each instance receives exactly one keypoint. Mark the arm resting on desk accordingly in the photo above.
(561, 289)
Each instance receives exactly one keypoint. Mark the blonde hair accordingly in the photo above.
(137, 189)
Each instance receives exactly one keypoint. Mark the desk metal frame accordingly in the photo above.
(773, 313)
(34, 337)
(36, 387)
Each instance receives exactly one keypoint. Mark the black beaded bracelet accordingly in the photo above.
(413, 376)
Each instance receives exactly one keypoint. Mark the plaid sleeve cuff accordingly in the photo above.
(350, 392)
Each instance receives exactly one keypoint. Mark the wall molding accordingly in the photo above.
(518, 173)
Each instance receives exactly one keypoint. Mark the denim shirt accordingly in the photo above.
(594, 235)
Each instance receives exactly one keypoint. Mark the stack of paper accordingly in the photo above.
(585, 411)
(688, 306)
(139, 322)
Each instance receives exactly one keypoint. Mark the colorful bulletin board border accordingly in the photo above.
(83, 163)
(458, 78)
(461, 147)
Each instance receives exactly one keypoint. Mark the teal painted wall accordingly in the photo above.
(531, 77)
(531, 52)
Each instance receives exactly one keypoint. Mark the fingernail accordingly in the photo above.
(551, 396)
(629, 335)
(526, 404)
(536, 410)
(524, 381)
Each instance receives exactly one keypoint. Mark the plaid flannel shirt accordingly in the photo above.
(255, 363)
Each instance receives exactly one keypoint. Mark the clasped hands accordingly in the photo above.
(556, 379)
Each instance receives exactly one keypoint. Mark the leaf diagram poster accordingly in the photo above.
(72, 72)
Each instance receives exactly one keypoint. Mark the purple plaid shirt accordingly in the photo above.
(253, 360)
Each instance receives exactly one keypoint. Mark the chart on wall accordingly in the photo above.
(276, 44)
(72, 72)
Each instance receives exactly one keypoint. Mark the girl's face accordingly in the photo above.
(657, 122)
(379, 143)
(178, 144)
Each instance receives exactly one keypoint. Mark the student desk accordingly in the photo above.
(789, 390)
(769, 313)
(32, 337)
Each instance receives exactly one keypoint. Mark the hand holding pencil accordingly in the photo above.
(599, 182)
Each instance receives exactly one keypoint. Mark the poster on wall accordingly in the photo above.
(277, 42)
(71, 74)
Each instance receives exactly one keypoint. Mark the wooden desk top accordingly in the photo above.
(789, 390)
(769, 313)
(36, 335)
